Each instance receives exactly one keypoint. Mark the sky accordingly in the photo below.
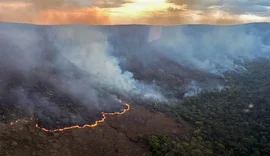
(152, 12)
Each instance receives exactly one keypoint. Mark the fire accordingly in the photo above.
(104, 114)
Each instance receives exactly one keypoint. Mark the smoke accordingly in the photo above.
(37, 79)
(193, 89)
(64, 73)
(211, 48)
(189, 52)
(89, 49)
(91, 52)
(79, 67)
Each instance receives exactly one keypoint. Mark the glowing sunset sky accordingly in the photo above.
(158, 12)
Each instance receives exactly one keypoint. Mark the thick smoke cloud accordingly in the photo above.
(75, 60)
(89, 49)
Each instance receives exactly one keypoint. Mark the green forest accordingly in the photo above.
(232, 122)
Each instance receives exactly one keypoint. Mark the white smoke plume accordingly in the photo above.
(88, 48)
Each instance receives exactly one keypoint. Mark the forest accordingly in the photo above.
(234, 121)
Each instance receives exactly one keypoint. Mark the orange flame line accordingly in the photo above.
(87, 125)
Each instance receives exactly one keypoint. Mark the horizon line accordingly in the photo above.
(132, 24)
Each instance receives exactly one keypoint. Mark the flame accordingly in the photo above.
(84, 126)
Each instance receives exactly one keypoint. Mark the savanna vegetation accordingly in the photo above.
(232, 122)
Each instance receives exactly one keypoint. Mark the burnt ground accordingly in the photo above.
(44, 85)
(118, 135)
(40, 89)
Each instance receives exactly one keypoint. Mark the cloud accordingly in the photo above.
(56, 4)
(177, 9)
(51, 12)
(134, 12)
(109, 3)
(195, 4)
(257, 7)
(78, 16)
(181, 2)
(174, 17)
(210, 12)
(203, 4)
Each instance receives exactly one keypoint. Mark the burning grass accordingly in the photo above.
(87, 125)
(104, 114)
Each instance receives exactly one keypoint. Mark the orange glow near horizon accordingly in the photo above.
(81, 16)
(157, 12)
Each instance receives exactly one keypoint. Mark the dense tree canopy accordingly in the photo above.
(234, 121)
